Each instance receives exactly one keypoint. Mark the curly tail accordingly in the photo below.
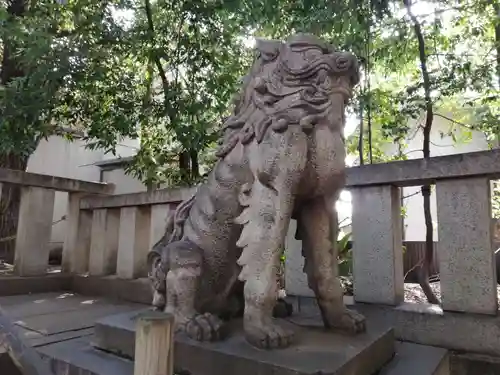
(174, 230)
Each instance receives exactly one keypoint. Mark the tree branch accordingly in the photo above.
(154, 55)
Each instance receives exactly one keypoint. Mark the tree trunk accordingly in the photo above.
(195, 165)
(184, 165)
(423, 274)
(10, 200)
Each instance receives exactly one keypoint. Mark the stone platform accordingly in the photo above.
(315, 352)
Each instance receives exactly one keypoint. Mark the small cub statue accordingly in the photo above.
(281, 157)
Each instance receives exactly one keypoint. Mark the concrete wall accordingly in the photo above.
(123, 183)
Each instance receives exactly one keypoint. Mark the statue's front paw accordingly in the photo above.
(349, 321)
(268, 336)
(205, 327)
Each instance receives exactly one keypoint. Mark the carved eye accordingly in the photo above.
(312, 54)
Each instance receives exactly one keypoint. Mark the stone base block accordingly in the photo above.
(315, 352)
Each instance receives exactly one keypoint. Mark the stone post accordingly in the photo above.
(76, 250)
(295, 277)
(377, 245)
(33, 231)
(159, 215)
(104, 242)
(466, 256)
(133, 242)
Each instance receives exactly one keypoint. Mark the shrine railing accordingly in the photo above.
(36, 213)
(111, 235)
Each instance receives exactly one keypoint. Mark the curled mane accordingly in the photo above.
(304, 71)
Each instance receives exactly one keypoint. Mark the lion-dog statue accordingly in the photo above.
(282, 156)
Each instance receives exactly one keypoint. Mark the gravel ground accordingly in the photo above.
(413, 292)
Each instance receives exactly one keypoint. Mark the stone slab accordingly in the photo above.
(316, 352)
(78, 357)
(136, 290)
(415, 359)
(474, 364)
(49, 324)
(428, 324)
(16, 285)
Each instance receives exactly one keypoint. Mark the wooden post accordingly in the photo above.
(154, 344)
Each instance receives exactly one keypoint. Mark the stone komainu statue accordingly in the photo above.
(282, 156)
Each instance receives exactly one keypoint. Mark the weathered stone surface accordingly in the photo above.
(415, 359)
(466, 258)
(33, 231)
(282, 155)
(316, 352)
(426, 171)
(133, 242)
(78, 357)
(377, 245)
(474, 364)
(54, 183)
(159, 215)
(15, 285)
(76, 250)
(426, 324)
(114, 287)
(104, 241)
(161, 196)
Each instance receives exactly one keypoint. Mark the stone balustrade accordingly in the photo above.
(464, 249)
(112, 235)
(36, 212)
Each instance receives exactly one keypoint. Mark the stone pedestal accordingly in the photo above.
(315, 352)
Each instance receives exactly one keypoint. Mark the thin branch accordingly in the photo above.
(453, 121)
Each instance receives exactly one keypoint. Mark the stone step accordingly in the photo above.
(79, 357)
(316, 351)
(415, 359)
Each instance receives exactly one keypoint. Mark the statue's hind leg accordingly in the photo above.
(318, 232)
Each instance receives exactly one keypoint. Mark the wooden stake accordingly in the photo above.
(154, 344)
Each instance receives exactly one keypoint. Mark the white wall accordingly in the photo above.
(440, 146)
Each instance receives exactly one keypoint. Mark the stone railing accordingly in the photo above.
(464, 248)
(36, 213)
(112, 235)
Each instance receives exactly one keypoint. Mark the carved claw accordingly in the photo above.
(269, 336)
(206, 327)
(349, 321)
